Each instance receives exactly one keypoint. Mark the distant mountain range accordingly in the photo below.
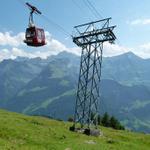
(127, 69)
(47, 87)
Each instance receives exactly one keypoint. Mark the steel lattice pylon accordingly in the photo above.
(90, 37)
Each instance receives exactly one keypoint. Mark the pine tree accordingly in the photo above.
(114, 123)
(99, 120)
(105, 120)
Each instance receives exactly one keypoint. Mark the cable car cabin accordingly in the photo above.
(35, 37)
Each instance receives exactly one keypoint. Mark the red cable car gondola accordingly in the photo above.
(34, 36)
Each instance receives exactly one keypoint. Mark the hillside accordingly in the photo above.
(52, 82)
(129, 104)
(20, 132)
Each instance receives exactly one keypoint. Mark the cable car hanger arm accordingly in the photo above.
(33, 9)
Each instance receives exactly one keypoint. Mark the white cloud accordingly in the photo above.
(17, 47)
(13, 53)
(6, 39)
(53, 44)
(143, 50)
(145, 46)
(140, 22)
(53, 47)
(114, 49)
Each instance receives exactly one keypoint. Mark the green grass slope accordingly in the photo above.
(20, 132)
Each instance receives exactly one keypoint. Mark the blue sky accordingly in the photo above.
(131, 17)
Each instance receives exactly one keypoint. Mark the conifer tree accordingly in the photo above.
(105, 120)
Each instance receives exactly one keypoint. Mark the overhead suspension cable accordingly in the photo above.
(80, 8)
(91, 7)
(94, 11)
(59, 27)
